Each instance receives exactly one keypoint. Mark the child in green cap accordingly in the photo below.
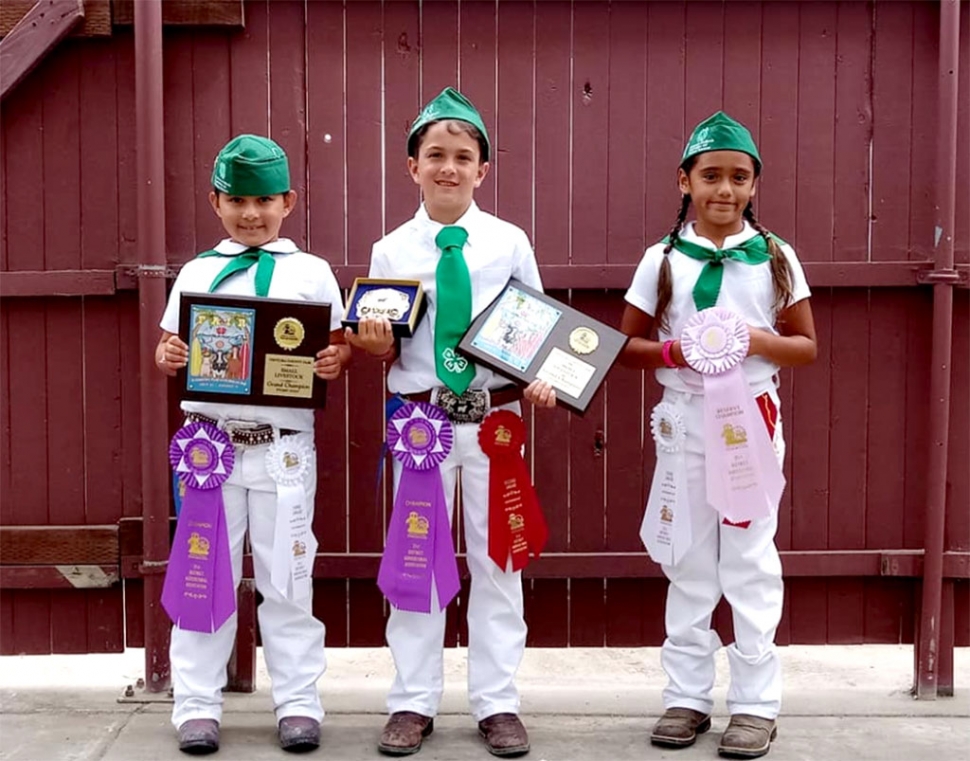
(723, 258)
(448, 152)
(252, 196)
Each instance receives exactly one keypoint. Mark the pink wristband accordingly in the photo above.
(667, 356)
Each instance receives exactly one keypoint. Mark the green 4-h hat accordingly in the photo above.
(721, 133)
(250, 165)
(450, 104)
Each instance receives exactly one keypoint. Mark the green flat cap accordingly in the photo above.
(720, 132)
(450, 104)
(250, 165)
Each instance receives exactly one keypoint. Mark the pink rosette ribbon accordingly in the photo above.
(419, 547)
(744, 479)
(198, 593)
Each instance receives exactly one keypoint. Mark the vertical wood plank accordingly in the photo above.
(127, 316)
(742, 64)
(516, 116)
(477, 66)
(212, 130)
(922, 172)
(958, 521)
(892, 130)
(402, 81)
(626, 134)
(330, 607)
(31, 622)
(779, 136)
(704, 72)
(98, 142)
(287, 97)
(127, 157)
(917, 305)
(887, 421)
(665, 129)
(553, 132)
(68, 621)
(962, 227)
(249, 69)
(816, 131)
(183, 194)
(587, 612)
(547, 612)
(439, 48)
(853, 132)
(590, 122)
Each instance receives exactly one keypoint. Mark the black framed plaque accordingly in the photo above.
(526, 335)
(252, 350)
(400, 301)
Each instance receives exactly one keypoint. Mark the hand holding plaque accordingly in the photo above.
(526, 335)
(253, 350)
(401, 302)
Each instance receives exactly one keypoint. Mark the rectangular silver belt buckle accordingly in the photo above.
(470, 407)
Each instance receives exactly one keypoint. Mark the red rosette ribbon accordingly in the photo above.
(516, 525)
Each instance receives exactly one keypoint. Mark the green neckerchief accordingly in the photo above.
(708, 286)
(264, 261)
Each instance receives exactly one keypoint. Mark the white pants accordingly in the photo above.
(292, 637)
(496, 627)
(742, 564)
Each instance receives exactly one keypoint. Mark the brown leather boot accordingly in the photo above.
(504, 735)
(404, 733)
(747, 736)
(199, 737)
(299, 734)
(679, 727)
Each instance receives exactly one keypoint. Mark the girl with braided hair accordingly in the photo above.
(723, 258)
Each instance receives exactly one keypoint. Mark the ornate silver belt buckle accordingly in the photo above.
(470, 407)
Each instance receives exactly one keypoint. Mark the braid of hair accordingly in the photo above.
(665, 281)
(781, 274)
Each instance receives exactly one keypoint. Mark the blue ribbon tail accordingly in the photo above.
(392, 405)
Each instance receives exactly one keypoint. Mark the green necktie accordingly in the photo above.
(454, 310)
(708, 285)
(265, 264)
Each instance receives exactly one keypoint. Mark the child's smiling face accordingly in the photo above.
(253, 220)
(448, 169)
(720, 184)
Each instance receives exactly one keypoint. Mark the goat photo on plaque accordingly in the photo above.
(400, 301)
(526, 335)
(246, 350)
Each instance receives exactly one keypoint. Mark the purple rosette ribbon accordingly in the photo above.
(744, 479)
(199, 594)
(419, 548)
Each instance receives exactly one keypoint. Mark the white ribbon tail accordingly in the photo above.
(665, 530)
(290, 501)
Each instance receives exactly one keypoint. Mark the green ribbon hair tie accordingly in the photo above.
(265, 264)
(708, 285)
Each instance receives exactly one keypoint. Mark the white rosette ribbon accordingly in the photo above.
(294, 546)
(665, 530)
(743, 477)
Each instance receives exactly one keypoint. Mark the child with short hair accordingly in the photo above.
(448, 153)
(252, 196)
(724, 258)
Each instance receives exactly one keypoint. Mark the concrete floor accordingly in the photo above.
(847, 703)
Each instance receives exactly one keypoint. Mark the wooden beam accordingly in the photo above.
(34, 36)
(58, 576)
(59, 545)
(58, 283)
(96, 23)
(554, 277)
(188, 12)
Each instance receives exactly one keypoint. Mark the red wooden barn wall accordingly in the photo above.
(588, 104)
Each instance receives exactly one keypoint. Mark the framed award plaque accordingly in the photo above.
(525, 335)
(400, 301)
(252, 350)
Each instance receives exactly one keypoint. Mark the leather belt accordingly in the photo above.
(471, 406)
(240, 432)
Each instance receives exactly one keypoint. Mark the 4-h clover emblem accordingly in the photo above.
(454, 363)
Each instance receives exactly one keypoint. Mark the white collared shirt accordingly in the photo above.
(495, 252)
(747, 290)
(298, 276)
